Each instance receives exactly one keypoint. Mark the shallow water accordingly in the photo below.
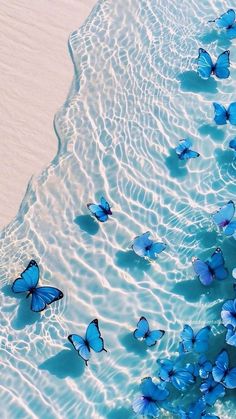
(134, 95)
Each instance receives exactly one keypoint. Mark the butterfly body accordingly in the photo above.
(206, 67)
(143, 332)
(41, 296)
(100, 211)
(92, 340)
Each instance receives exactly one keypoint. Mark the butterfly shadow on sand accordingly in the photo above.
(87, 223)
(191, 82)
(65, 363)
(133, 263)
(24, 316)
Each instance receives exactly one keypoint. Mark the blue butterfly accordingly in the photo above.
(145, 247)
(223, 217)
(206, 67)
(212, 269)
(232, 144)
(180, 378)
(211, 391)
(221, 371)
(227, 21)
(92, 340)
(147, 404)
(100, 211)
(222, 115)
(41, 296)
(144, 333)
(197, 411)
(203, 367)
(197, 342)
(231, 335)
(183, 150)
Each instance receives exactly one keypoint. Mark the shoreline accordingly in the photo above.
(37, 72)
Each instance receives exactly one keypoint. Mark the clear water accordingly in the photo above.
(134, 95)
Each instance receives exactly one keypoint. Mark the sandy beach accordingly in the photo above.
(36, 73)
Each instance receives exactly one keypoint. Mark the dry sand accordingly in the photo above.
(36, 73)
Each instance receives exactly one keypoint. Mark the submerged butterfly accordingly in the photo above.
(144, 333)
(100, 211)
(232, 144)
(183, 150)
(41, 296)
(152, 394)
(197, 410)
(180, 378)
(195, 341)
(222, 218)
(227, 21)
(206, 67)
(222, 115)
(221, 371)
(92, 340)
(211, 391)
(203, 367)
(212, 269)
(145, 247)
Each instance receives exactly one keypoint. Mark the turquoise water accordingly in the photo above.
(135, 93)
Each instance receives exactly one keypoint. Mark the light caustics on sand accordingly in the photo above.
(135, 94)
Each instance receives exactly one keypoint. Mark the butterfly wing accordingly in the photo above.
(28, 279)
(216, 264)
(202, 271)
(181, 379)
(222, 65)
(141, 243)
(189, 154)
(155, 249)
(105, 205)
(145, 407)
(183, 146)
(232, 144)
(166, 366)
(230, 379)
(153, 391)
(187, 336)
(98, 212)
(154, 336)
(201, 339)
(93, 337)
(80, 345)
(43, 296)
(231, 336)
(230, 229)
(142, 328)
(226, 19)
(231, 32)
(225, 214)
(228, 313)
(232, 113)
(204, 64)
(220, 117)
(221, 366)
(213, 395)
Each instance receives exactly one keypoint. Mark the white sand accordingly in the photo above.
(35, 76)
